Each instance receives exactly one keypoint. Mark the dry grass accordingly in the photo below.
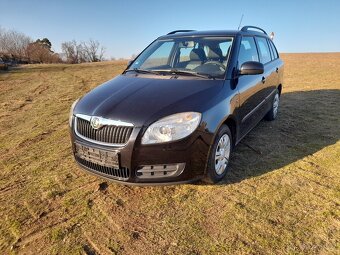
(281, 195)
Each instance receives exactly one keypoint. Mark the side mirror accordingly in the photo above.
(251, 67)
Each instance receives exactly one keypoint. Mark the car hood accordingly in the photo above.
(142, 100)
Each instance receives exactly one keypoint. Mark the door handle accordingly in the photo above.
(263, 79)
(277, 69)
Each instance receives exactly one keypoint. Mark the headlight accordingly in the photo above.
(71, 111)
(171, 128)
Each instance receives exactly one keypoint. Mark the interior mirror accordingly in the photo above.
(187, 44)
(251, 67)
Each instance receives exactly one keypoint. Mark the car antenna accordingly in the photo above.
(240, 23)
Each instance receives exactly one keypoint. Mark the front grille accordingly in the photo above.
(106, 134)
(115, 173)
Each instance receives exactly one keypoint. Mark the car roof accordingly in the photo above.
(194, 33)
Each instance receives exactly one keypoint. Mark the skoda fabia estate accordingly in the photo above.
(177, 111)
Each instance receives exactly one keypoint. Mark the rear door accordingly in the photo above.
(278, 64)
(270, 73)
(249, 86)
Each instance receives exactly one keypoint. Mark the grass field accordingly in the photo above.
(281, 196)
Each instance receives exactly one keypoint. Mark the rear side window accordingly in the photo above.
(247, 51)
(272, 46)
(263, 50)
(271, 50)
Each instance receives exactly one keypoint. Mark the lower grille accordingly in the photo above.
(114, 173)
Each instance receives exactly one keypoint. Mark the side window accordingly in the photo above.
(276, 55)
(271, 50)
(160, 57)
(263, 50)
(225, 47)
(247, 51)
(184, 54)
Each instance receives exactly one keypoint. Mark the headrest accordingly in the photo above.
(215, 53)
(197, 55)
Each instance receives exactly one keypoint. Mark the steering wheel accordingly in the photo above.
(215, 63)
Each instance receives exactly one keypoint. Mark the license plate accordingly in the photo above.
(97, 156)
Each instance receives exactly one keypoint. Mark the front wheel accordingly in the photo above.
(272, 114)
(219, 156)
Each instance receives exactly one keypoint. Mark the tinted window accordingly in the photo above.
(186, 54)
(263, 50)
(248, 51)
(273, 49)
(159, 57)
(225, 47)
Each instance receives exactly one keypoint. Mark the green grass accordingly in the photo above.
(281, 195)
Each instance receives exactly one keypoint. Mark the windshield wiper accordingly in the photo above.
(137, 70)
(180, 72)
(170, 71)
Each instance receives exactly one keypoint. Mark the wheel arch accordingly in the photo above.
(232, 125)
(231, 122)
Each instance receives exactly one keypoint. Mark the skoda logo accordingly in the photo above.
(95, 123)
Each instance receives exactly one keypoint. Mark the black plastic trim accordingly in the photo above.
(179, 31)
(246, 28)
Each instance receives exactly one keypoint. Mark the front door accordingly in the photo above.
(250, 87)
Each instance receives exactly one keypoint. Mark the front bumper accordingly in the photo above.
(192, 152)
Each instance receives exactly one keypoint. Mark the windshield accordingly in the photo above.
(186, 55)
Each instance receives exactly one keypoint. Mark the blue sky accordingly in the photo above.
(126, 27)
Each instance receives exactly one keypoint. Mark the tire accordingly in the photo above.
(272, 114)
(214, 173)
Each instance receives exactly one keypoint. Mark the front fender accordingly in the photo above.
(221, 112)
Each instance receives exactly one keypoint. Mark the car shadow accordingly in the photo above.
(307, 122)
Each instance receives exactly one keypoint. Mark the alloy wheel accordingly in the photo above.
(222, 154)
(276, 104)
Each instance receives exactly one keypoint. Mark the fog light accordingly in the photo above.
(160, 171)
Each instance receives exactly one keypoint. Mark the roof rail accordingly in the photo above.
(246, 28)
(179, 31)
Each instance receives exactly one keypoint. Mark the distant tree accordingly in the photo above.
(90, 51)
(2, 34)
(44, 42)
(70, 49)
(18, 46)
(38, 52)
(93, 51)
(55, 58)
(14, 43)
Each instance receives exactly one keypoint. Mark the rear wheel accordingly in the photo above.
(219, 156)
(272, 114)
